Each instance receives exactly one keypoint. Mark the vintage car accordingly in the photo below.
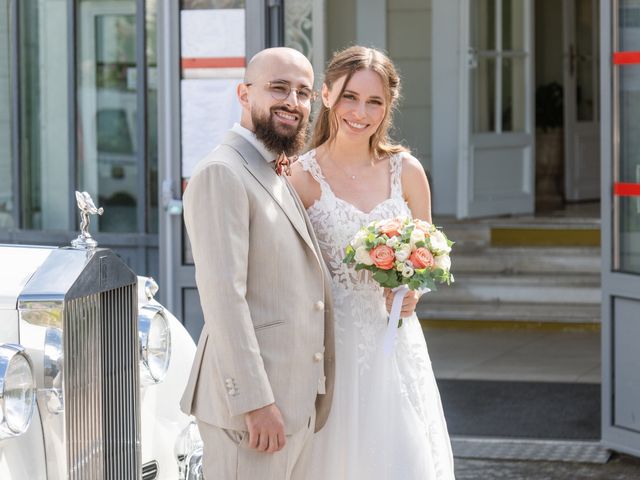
(91, 370)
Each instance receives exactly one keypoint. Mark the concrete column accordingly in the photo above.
(446, 107)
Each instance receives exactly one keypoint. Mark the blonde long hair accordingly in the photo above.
(346, 63)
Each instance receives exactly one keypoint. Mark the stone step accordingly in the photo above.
(523, 231)
(508, 312)
(522, 288)
(513, 260)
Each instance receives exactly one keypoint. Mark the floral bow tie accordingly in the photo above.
(283, 164)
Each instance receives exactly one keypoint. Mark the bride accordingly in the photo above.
(386, 421)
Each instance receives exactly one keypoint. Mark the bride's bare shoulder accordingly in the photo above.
(306, 186)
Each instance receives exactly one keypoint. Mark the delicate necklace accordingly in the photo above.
(350, 175)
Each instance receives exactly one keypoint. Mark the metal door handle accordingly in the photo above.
(171, 204)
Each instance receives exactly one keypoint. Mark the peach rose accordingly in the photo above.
(383, 257)
(391, 228)
(422, 258)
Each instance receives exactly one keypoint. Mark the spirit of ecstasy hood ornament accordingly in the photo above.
(87, 207)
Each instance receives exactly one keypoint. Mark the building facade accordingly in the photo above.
(121, 97)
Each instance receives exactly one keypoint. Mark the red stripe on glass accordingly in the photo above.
(626, 189)
(218, 62)
(626, 58)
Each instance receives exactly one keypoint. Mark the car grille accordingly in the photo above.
(150, 470)
(101, 386)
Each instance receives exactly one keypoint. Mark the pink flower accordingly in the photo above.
(422, 258)
(391, 228)
(382, 257)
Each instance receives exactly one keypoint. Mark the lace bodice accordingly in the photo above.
(336, 221)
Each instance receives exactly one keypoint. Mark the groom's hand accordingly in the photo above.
(266, 429)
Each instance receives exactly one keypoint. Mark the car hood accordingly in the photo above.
(17, 266)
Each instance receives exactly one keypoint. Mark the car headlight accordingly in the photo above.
(17, 390)
(155, 344)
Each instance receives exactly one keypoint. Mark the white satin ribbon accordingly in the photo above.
(394, 318)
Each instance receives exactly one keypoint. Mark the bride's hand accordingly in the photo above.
(409, 302)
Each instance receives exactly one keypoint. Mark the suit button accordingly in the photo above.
(318, 357)
(319, 305)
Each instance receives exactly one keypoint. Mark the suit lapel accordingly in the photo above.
(274, 185)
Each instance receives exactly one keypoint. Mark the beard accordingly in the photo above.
(290, 142)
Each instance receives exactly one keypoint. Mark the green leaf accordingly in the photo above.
(420, 244)
(381, 276)
(392, 282)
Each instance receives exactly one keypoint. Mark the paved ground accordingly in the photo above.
(619, 468)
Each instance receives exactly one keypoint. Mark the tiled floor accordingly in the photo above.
(515, 354)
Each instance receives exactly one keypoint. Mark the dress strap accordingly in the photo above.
(310, 164)
(396, 174)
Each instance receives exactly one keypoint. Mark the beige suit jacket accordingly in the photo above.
(265, 295)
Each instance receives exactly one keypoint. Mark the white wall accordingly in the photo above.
(409, 46)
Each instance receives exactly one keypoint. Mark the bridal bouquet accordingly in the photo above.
(402, 251)
(403, 254)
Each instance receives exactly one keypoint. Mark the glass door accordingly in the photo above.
(495, 173)
(108, 166)
(203, 49)
(621, 225)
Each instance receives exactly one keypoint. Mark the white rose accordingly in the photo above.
(392, 242)
(439, 242)
(443, 262)
(416, 236)
(359, 239)
(403, 252)
(362, 256)
(407, 271)
(399, 266)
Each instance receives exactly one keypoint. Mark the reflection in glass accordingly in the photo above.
(629, 23)
(298, 26)
(513, 95)
(586, 89)
(152, 116)
(44, 116)
(483, 95)
(6, 190)
(629, 168)
(483, 17)
(210, 4)
(513, 25)
(107, 102)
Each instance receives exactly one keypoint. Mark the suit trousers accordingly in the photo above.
(227, 455)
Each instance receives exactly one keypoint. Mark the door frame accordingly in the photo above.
(573, 129)
(263, 26)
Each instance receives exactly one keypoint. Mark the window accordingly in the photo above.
(498, 56)
(44, 114)
(6, 171)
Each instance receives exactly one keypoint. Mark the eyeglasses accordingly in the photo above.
(282, 90)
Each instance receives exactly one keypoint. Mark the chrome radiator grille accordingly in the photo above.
(101, 386)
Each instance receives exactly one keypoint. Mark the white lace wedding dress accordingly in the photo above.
(386, 421)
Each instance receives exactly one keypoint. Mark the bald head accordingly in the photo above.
(272, 61)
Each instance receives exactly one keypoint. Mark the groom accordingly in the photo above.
(262, 378)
